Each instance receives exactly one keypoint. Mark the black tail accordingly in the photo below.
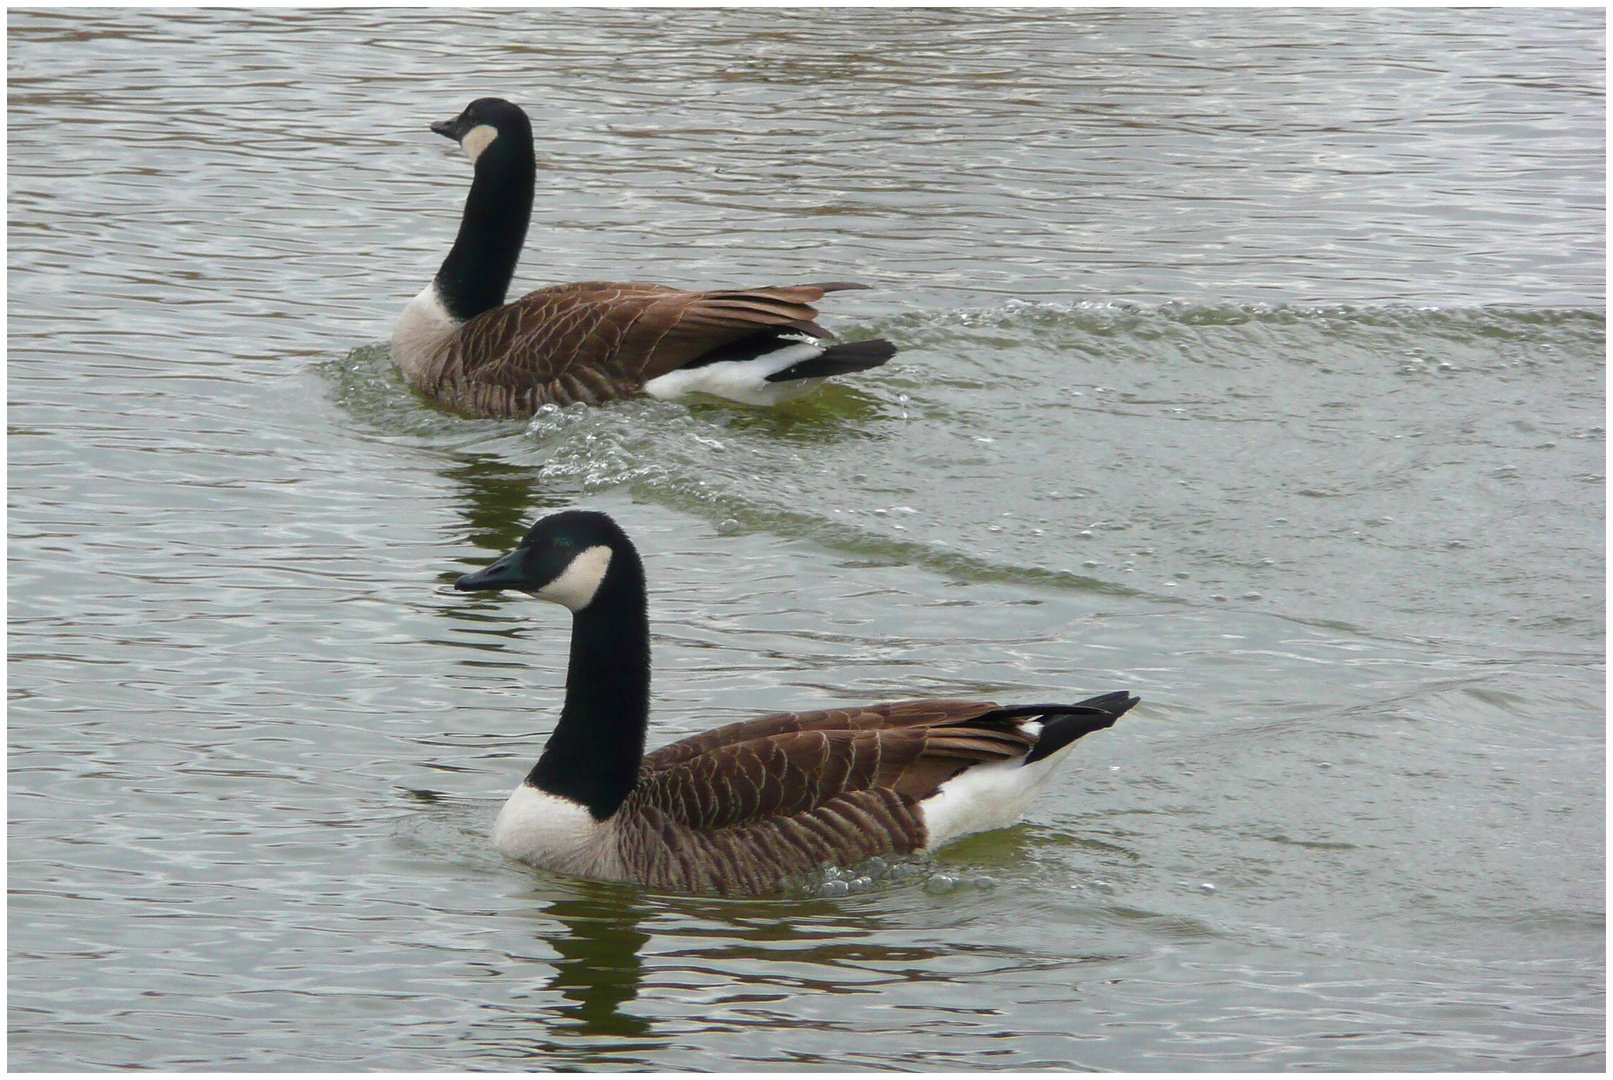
(838, 360)
(1063, 724)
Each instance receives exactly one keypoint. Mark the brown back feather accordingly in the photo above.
(594, 341)
(740, 808)
(790, 763)
(926, 713)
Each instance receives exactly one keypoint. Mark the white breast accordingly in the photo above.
(546, 830)
(420, 340)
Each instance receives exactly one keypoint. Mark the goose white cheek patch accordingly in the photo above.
(575, 588)
(477, 139)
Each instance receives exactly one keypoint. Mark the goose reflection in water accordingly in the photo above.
(497, 497)
(599, 969)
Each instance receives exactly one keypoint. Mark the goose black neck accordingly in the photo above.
(476, 274)
(594, 754)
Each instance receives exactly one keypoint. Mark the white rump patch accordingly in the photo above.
(575, 588)
(546, 830)
(744, 381)
(986, 797)
(477, 139)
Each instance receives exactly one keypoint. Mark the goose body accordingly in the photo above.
(742, 808)
(460, 344)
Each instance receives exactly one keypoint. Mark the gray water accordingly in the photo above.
(1251, 361)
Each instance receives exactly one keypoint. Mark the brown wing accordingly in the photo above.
(741, 807)
(595, 341)
(929, 712)
(760, 857)
(788, 763)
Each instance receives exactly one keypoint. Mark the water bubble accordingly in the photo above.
(1205, 886)
(728, 527)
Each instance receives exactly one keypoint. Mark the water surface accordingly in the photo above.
(1252, 361)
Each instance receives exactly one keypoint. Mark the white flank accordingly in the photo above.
(477, 139)
(744, 381)
(420, 340)
(546, 830)
(985, 797)
(575, 588)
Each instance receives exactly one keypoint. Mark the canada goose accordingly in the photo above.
(741, 808)
(594, 341)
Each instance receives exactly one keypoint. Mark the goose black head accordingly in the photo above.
(564, 558)
(482, 123)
